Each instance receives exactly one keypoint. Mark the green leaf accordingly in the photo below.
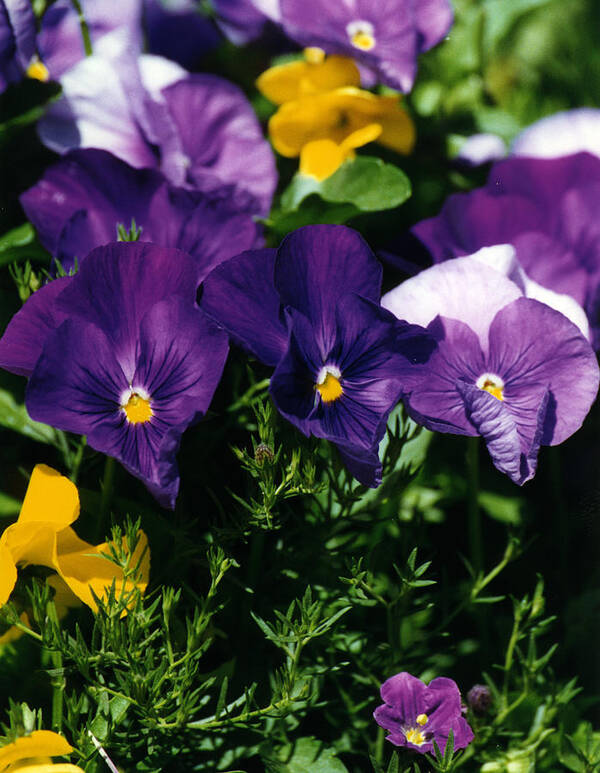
(8, 505)
(14, 416)
(365, 182)
(20, 244)
(501, 508)
(306, 754)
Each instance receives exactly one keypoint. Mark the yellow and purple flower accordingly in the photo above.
(416, 715)
(311, 310)
(157, 359)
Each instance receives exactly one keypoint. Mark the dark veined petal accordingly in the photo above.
(240, 296)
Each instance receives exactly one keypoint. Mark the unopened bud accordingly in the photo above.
(479, 699)
(263, 454)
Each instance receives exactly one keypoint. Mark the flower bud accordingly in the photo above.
(479, 699)
(263, 454)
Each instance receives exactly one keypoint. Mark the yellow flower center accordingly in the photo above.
(415, 736)
(492, 384)
(138, 409)
(314, 55)
(422, 719)
(361, 34)
(329, 386)
(37, 70)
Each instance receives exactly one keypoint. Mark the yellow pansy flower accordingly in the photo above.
(43, 535)
(315, 74)
(347, 118)
(31, 754)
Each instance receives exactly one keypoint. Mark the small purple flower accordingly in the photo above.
(508, 368)
(121, 353)
(199, 130)
(17, 40)
(80, 201)
(310, 310)
(416, 714)
(385, 37)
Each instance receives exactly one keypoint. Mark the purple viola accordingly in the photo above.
(416, 715)
(157, 359)
(199, 130)
(244, 20)
(545, 208)
(311, 310)
(508, 368)
(17, 40)
(385, 37)
(80, 201)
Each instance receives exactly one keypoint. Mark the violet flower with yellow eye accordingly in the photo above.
(311, 310)
(416, 715)
(157, 359)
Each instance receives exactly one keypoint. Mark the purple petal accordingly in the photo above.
(220, 138)
(24, 338)
(406, 694)
(364, 465)
(240, 296)
(17, 40)
(240, 20)
(533, 348)
(435, 400)
(463, 289)
(180, 33)
(433, 19)
(117, 284)
(316, 266)
(496, 424)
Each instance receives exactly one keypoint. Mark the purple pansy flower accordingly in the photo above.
(416, 714)
(80, 200)
(508, 368)
(244, 20)
(199, 130)
(156, 362)
(17, 40)
(545, 208)
(310, 310)
(385, 37)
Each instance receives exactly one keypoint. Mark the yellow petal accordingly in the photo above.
(64, 598)
(335, 116)
(84, 569)
(362, 136)
(50, 498)
(40, 743)
(31, 543)
(286, 82)
(8, 573)
(321, 158)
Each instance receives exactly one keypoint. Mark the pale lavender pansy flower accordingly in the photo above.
(507, 367)
(157, 359)
(416, 715)
(385, 37)
(82, 199)
(199, 130)
(547, 209)
(311, 310)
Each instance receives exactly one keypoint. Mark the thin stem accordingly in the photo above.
(473, 512)
(108, 483)
(85, 30)
(58, 691)
(76, 460)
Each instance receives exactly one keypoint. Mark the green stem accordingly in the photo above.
(379, 745)
(76, 460)
(108, 483)
(473, 512)
(85, 30)
(58, 691)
